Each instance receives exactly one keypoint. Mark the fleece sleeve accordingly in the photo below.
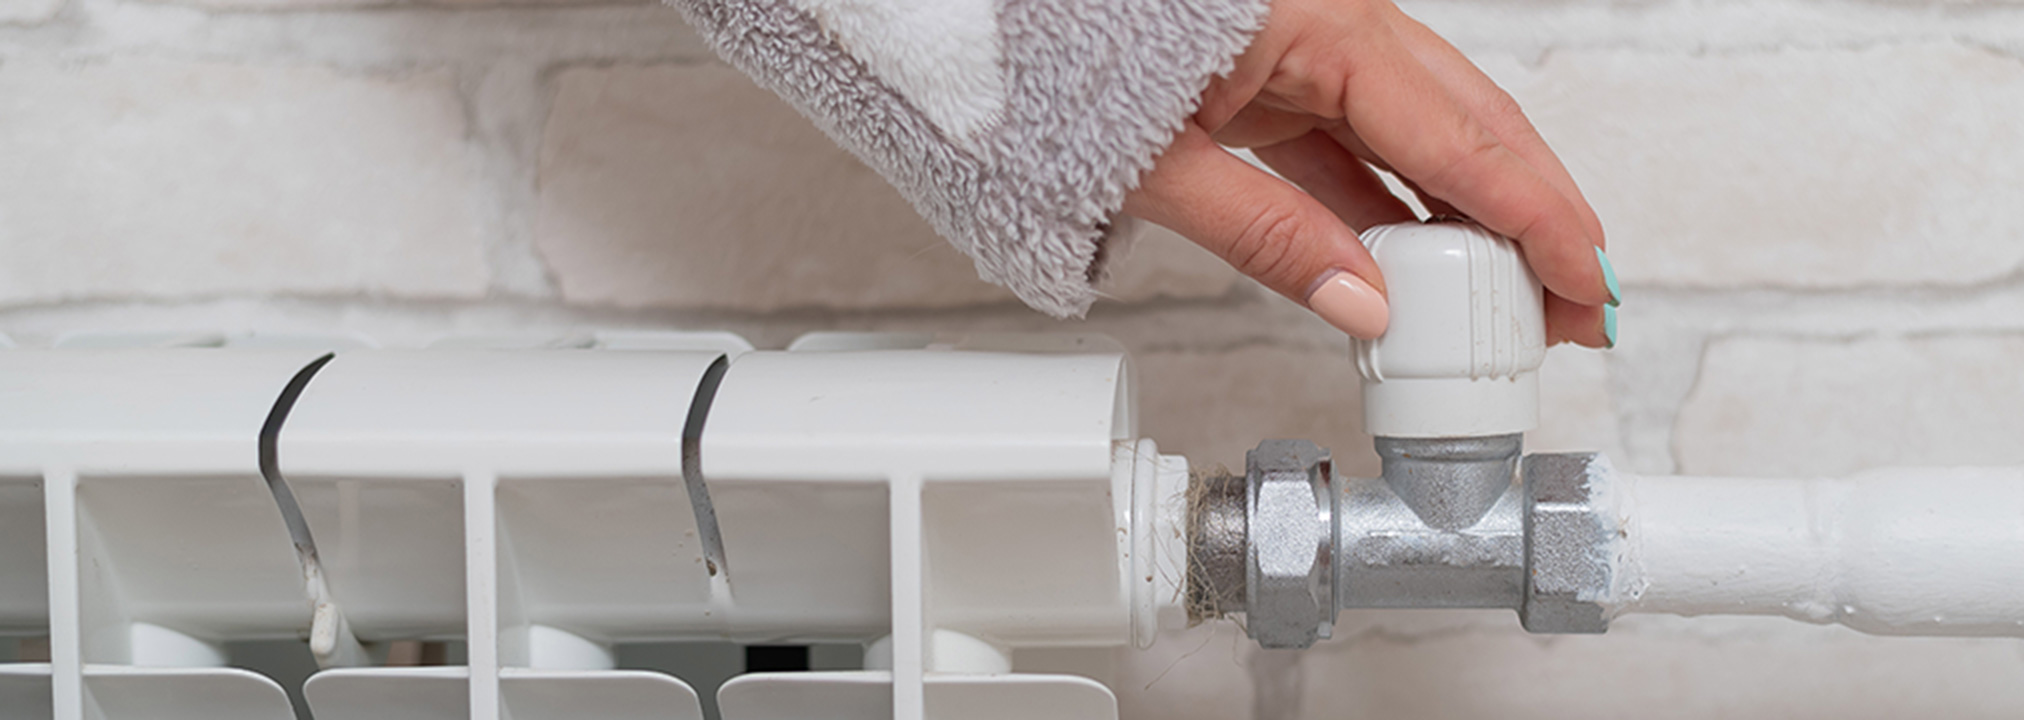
(1016, 127)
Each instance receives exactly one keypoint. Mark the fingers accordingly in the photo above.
(1408, 117)
(1228, 94)
(1585, 325)
(1497, 111)
(1349, 141)
(1258, 125)
(1337, 179)
(1267, 229)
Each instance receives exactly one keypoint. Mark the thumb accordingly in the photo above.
(1266, 228)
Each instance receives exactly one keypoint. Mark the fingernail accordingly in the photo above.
(1350, 304)
(1609, 324)
(1609, 278)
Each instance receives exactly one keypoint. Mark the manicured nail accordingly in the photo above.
(1609, 278)
(1350, 304)
(1609, 323)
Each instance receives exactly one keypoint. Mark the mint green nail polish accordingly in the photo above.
(1609, 322)
(1609, 278)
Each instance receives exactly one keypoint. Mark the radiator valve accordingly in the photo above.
(1454, 381)
(1448, 392)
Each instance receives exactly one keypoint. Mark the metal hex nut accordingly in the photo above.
(1570, 540)
(1290, 593)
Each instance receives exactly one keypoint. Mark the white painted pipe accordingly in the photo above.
(550, 648)
(1888, 552)
(156, 646)
(948, 651)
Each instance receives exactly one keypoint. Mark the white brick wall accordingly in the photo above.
(1779, 406)
(1814, 205)
(27, 12)
(1800, 168)
(688, 186)
(147, 177)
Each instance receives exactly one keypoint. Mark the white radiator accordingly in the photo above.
(941, 504)
(945, 505)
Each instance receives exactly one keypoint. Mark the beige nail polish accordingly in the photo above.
(1350, 304)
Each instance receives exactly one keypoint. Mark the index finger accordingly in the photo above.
(1497, 111)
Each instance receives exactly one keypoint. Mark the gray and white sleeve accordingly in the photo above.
(1016, 127)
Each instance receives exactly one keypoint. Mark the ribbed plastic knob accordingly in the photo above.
(1468, 333)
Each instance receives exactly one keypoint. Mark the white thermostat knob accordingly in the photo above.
(1467, 335)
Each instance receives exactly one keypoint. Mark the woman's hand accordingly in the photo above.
(1332, 87)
